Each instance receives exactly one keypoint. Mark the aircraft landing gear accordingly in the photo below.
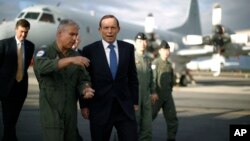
(183, 80)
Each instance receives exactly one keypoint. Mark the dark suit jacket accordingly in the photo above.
(124, 88)
(8, 64)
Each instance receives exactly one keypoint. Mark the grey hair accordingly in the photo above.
(67, 22)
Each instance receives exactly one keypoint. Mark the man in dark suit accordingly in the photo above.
(15, 57)
(114, 78)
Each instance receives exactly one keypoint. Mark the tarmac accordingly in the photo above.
(205, 111)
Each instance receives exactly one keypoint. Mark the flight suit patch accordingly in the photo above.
(153, 67)
(40, 53)
(137, 62)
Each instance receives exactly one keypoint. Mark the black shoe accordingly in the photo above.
(80, 138)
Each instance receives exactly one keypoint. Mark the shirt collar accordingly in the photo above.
(61, 55)
(106, 44)
(17, 41)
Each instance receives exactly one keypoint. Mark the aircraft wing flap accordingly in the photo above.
(193, 53)
(246, 48)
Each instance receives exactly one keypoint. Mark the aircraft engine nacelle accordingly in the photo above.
(218, 41)
(197, 40)
(240, 38)
(191, 40)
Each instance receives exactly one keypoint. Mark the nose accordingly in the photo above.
(109, 30)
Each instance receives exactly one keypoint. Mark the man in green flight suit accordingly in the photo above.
(164, 78)
(60, 72)
(146, 87)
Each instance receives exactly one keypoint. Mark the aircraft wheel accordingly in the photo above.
(183, 81)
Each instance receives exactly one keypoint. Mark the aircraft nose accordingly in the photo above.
(7, 29)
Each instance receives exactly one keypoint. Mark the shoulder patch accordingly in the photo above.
(153, 66)
(40, 53)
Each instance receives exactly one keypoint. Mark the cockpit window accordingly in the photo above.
(20, 15)
(47, 18)
(31, 15)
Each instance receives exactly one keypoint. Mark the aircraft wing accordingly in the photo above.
(246, 49)
(195, 52)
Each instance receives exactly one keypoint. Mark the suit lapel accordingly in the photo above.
(121, 56)
(25, 49)
(13, 49)
(100, 52)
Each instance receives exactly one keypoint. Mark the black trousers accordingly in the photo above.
(126, 128)
(11, 108)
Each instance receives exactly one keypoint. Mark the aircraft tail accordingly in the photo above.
(192, 24)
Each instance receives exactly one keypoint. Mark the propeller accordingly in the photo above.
(218, 62)
(218, 39)
(224, 41)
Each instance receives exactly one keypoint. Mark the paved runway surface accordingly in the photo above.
(205, 111)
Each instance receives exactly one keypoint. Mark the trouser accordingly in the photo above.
(126, 128)
(144, 118)
(11, 108)
(59, 126)
(59, 134)
(169, 111)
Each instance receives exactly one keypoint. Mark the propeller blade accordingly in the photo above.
(149, 23)
(216, 14)
(218, 62)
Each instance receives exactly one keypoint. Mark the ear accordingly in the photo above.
(118, 29)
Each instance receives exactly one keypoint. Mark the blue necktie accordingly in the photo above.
(113, 60)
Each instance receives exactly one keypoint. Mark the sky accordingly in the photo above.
(167, 13)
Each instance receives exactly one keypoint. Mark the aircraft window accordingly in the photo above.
(31, 15)
(47, 18)
(20, 15)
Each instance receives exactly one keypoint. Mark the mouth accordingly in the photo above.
(110, 36)
(72, 43)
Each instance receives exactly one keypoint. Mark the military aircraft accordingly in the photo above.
(45, 18)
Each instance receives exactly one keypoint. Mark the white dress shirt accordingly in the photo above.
(107, 50)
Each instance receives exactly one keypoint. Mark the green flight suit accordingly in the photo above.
(164, 79)
(146, 87)
(58, 99)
